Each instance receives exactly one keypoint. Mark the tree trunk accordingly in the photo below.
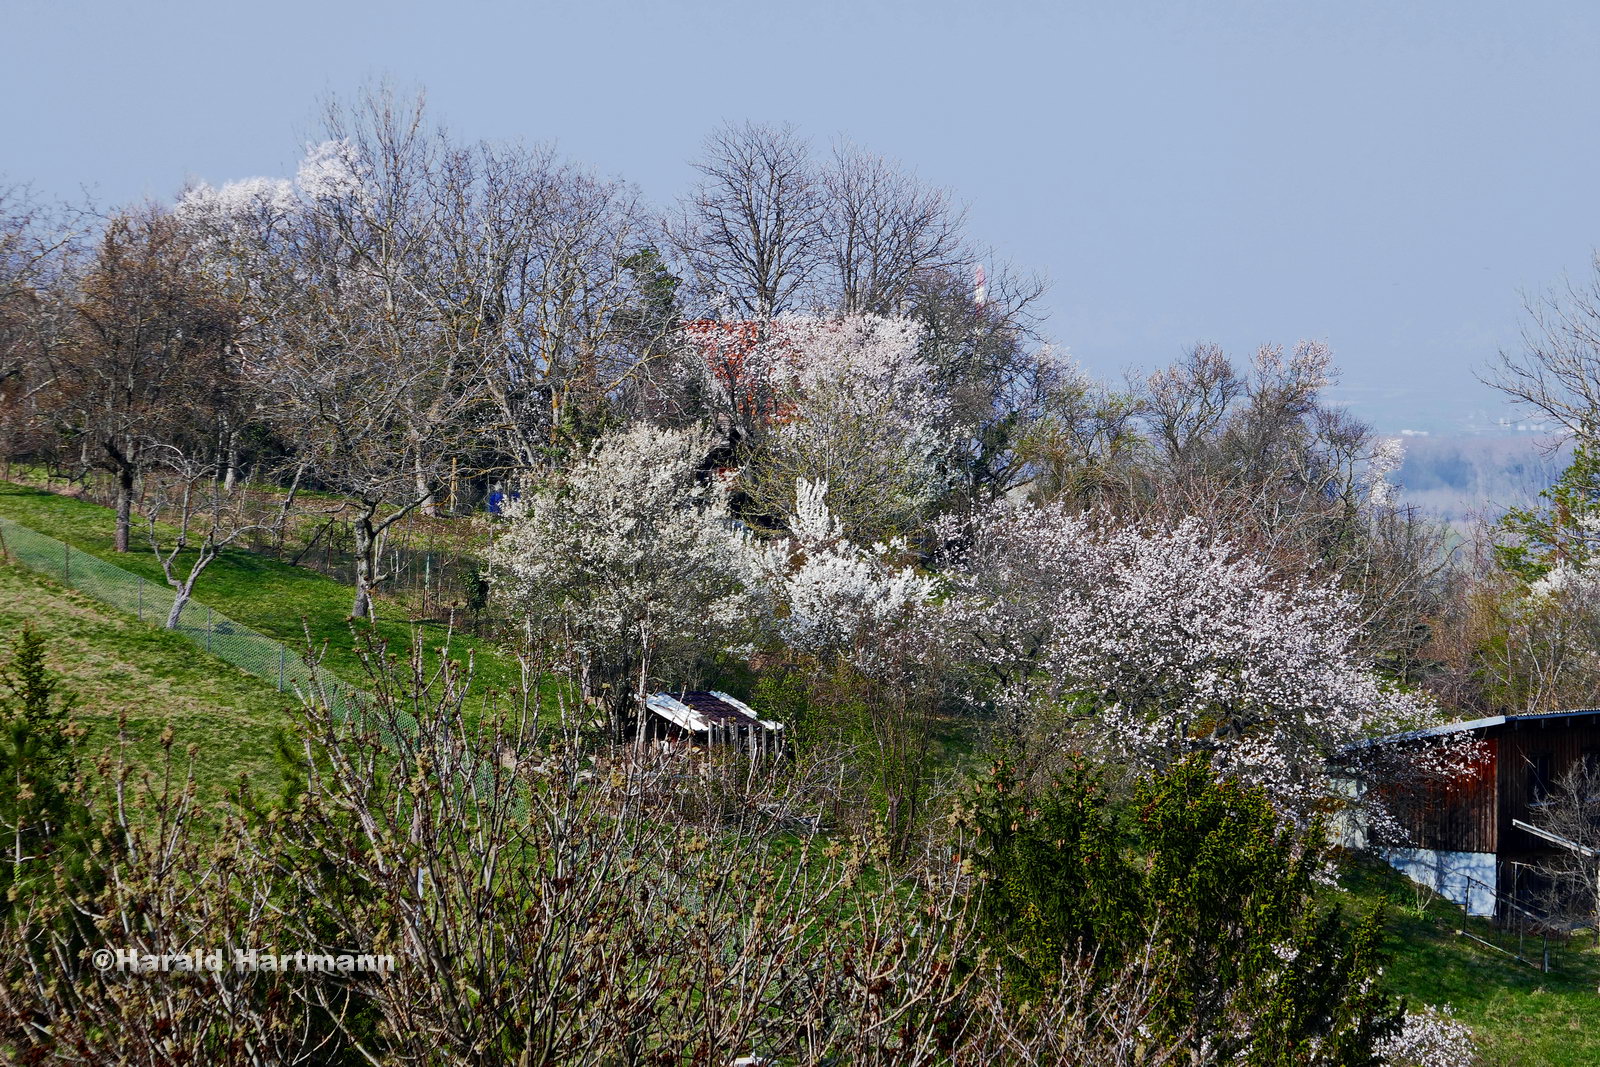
(366, 566)
(429, 505)
(231, 463)
(124, 505)
(179, 601)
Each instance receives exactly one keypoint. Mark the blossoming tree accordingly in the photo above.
(861, 411)
(1154, 643)
(629, 560)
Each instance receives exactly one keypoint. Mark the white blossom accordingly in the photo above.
(856, 406)
(836, 594)
(1170, 641)
(1432, 1037)
(630, 553)
(1376, 483)
(332, 171)
(248, 198)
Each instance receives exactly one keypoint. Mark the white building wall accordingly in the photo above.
(1453, 875)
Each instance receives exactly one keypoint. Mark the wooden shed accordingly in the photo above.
(1466, 837)
(708, 717)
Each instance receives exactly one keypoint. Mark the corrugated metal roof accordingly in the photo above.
(1476, 724)
(700, 710)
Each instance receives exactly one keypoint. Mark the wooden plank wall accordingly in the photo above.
(1460, 816)
(1563, 743)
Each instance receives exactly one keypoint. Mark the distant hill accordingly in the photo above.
(1460, 477)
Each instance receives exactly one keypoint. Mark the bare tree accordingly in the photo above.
(544, 272)
(881, 230)
(144, 354)
(752, 231)
(352, 353)
(990, 361)
(1568, 820)
(1558, 371)
(37, 242)
(188, 507)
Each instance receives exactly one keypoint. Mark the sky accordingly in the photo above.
(1389, 178)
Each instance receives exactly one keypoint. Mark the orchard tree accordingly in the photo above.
(352, 356)
(629, 561)
(191, 515)
(1571, 870)
(146, 357)
(839, 596)
(859, 410)
(862, 655)
(1150, 644)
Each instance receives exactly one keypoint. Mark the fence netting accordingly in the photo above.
(250, 651)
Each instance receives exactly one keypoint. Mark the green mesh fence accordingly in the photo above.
(213, 631)
(251, 652)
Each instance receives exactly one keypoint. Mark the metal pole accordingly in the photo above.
(283, 654)
(66, 565)
(208, 627)
(141, 599)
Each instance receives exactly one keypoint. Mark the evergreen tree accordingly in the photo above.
(1207, 878)
(40, 812)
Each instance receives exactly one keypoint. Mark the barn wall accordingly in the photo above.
(1527, 748)
(1455, 876)
(1457, 816)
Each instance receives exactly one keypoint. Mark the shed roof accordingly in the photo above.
(700, 710)
(1468, 725)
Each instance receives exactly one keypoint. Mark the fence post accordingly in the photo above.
(208, 627)
(282, 655)
(66, 564)
(141, 599)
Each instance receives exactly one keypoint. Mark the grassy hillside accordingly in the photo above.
(1522, 1016)
(119, 666)
(274, 598)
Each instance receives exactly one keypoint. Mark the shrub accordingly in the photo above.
(1206, 871)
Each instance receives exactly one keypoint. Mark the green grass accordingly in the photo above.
(1521, 1016)
(117, 666)
(277, 599)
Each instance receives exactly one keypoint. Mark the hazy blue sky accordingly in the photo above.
(1387, 177)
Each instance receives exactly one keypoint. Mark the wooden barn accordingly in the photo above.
(1475, 838)
(708, 717)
